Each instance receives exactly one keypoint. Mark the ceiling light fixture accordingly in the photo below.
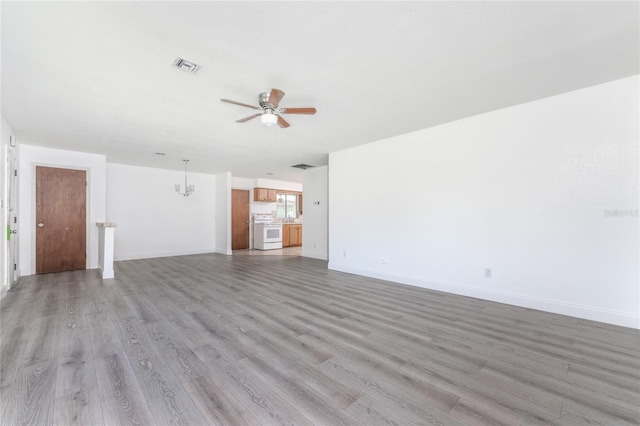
(188, 189)
(269, 119)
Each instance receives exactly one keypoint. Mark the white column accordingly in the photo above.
(105, 250)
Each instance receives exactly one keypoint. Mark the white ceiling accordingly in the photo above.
(98, 77)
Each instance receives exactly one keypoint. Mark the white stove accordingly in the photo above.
(267, 234)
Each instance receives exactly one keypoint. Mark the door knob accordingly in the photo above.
(41, 225)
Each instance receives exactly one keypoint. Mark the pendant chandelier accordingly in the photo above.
(188, 189)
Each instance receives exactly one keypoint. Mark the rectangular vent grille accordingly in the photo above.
(302, 166)
(185, 65)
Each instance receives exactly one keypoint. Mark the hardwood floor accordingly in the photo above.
(260, 340)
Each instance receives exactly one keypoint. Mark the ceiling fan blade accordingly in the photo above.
(242, 120)
(239, 103)
(275, 97)
(310, 111)
(282, 122)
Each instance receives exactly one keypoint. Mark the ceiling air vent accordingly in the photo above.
(185, 65)
(302, 166)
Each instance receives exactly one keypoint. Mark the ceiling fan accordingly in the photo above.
(271, 113)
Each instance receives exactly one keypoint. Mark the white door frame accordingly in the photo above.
(12, 216)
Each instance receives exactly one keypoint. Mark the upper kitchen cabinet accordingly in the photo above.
(265, 194)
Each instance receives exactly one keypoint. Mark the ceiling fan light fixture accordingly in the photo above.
(269, 119)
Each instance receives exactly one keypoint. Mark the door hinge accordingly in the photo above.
(15, 266)
(15, 172)
(15, 219)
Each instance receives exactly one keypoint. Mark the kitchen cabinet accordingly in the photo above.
(267, 195)
(285, 235)
(291, 235)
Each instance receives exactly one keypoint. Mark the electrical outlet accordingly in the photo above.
(344, 253)
(487, 272)
(314, 245)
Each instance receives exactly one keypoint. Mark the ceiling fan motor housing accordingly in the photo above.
(263, 100)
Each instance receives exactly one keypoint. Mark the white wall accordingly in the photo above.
(223, 213)
(32, 156)
(153, 219)
(5, 131)
(528, 191)
(315, 233)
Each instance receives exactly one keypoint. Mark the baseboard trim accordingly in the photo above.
(136, 256)
(592, 313)
(321, 256)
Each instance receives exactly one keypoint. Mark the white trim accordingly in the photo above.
(623, 319)
(161, 254)
(314, 255)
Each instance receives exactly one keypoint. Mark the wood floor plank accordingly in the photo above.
(579, 415)
(217, 404)
(79, 408)
(629, 384)
(291, 366)
(255, 394)
(495, 399)
(141, 309)
(606, 404)
(32, 395)
(102, 334)
(123, 402)
(76, 371)
(43, 340)
(168, 401)
(12, 347)
(214, 339)
(373, 410)
(396, 397)
(307, 400)
(184, 364)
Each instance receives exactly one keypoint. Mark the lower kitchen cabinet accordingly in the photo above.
(291, 235)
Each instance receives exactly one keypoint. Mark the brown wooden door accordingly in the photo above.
(239, 219)
(61, 220)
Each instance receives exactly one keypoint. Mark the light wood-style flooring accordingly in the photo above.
(249, 340)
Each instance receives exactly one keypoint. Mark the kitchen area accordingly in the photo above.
(275, 224)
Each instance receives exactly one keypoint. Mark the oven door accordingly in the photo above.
(272, 233)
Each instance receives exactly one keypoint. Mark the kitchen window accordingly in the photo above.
(287, 206)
